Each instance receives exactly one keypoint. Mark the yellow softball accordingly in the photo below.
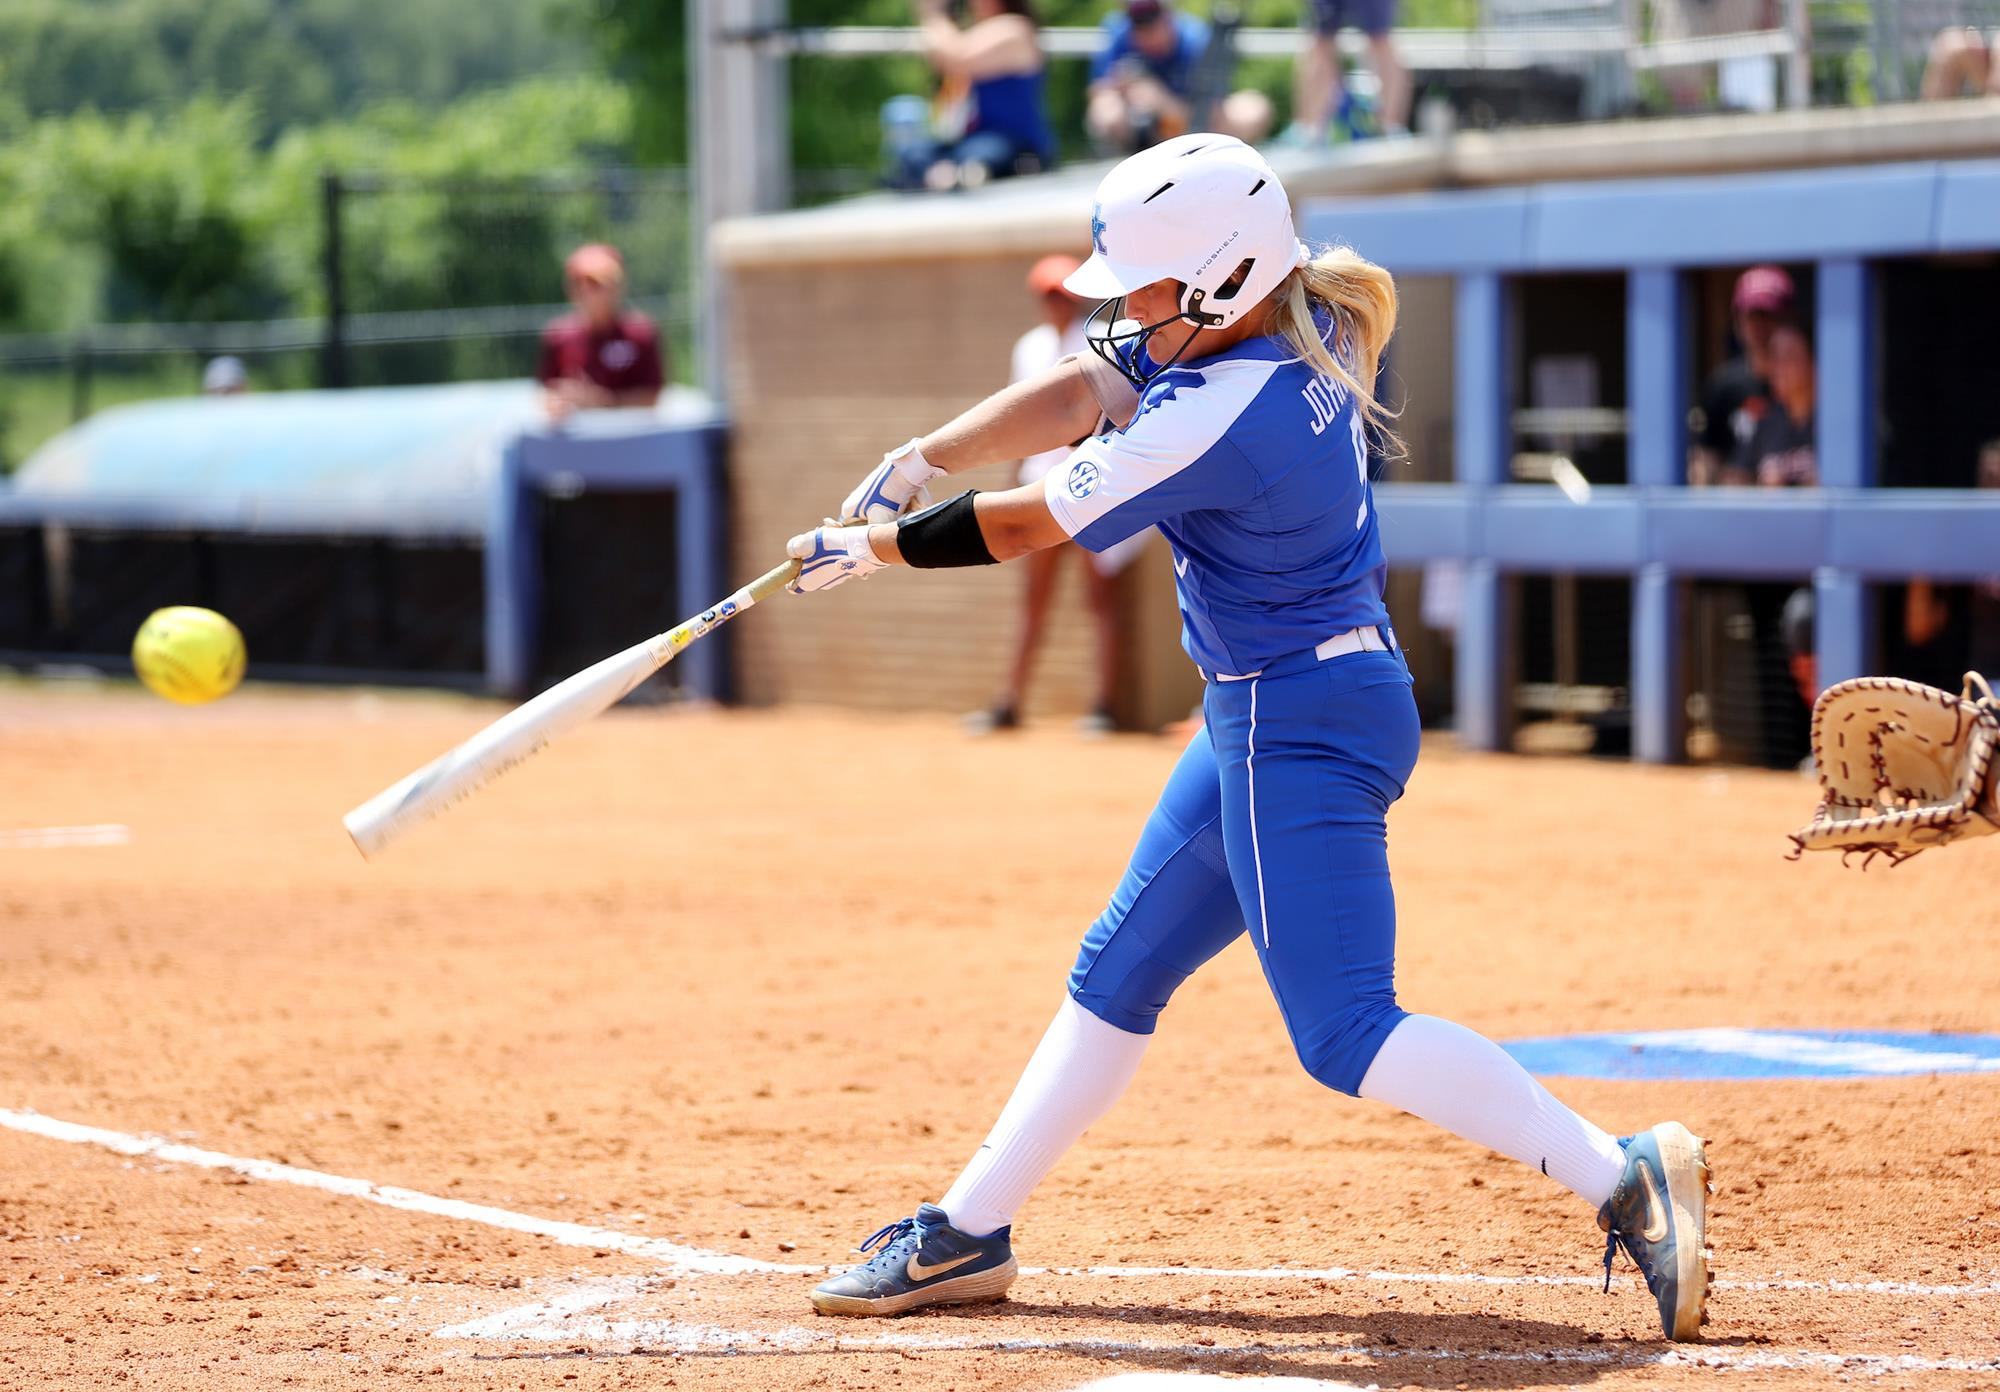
(189, 655)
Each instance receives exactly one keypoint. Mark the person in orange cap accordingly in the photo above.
(1059, 335)
(604, 354)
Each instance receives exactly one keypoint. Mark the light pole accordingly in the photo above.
(739, 143)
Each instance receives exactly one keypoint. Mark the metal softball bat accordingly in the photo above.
(524, 731)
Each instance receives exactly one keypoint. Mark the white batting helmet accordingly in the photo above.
(1205, 210)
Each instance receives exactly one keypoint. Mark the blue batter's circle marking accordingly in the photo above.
(1757, 1053)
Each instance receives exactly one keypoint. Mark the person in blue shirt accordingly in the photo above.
(1235, 379)
(994, 67)
(1147, 80)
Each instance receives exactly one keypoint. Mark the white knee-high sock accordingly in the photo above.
(1470, 1086)
(1079, 1070)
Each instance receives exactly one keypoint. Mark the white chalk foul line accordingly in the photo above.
(672, 1336)
(553, 1312)
(689, 1260)
(696, 1261)
(1474, 1278)
(62, 838)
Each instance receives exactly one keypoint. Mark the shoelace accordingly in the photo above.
(888, 1237)
(1611, 1237)
(1611, 1228)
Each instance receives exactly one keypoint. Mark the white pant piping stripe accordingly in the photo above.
(1256, 854)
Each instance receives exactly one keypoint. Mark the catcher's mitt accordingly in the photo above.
(1902, 767)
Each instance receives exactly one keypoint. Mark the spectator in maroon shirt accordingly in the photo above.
(1737, 395)
(602, 355)
(1779, 452)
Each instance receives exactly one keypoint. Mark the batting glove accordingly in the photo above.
(893, 486)
(829, 556)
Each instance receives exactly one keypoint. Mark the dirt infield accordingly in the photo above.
(631, 1001)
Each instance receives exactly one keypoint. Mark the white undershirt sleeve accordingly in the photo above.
(1116, 397)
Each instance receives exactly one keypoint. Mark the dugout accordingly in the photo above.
(435, 535)
(1747, 598)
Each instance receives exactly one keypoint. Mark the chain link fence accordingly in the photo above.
(1900, 34)
(488, 257)
(417, 281)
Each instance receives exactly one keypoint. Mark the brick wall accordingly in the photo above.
(830, 365)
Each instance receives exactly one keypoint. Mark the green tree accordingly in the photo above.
(296, 60)
(165, 203)
(420, 243)
(185, 216)
(643, 43)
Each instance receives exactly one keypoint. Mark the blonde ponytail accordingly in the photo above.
(1361, 297)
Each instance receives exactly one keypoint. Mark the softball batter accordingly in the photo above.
(1232, 393)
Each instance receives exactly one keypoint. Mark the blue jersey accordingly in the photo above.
(1255, 468)
(1175, 71)
(1012, 106)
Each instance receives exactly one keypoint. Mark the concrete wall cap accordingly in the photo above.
(1030, 217)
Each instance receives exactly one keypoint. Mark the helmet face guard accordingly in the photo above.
(1109, 333)
(1102, 331)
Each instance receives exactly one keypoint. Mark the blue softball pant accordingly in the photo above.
(1273, 822)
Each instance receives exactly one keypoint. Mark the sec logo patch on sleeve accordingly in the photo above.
(1083, 479)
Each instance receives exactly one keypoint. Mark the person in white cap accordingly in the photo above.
(1246, 440)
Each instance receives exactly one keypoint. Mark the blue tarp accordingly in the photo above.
(458, 464)
(383, 460)
(1725, 1052)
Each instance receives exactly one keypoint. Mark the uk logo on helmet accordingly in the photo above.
(1097, 228)
(1083, 478)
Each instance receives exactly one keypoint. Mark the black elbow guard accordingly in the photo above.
(945, 535)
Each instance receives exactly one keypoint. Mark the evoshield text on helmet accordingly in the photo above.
(1204, 210)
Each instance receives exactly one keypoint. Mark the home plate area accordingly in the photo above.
(1171, 1331)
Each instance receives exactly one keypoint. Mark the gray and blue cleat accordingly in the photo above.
(1659, 1215)
(921, 1261)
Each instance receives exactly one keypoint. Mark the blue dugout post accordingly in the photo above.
(1843, 608)
(1656, 355)
(1482, 433)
